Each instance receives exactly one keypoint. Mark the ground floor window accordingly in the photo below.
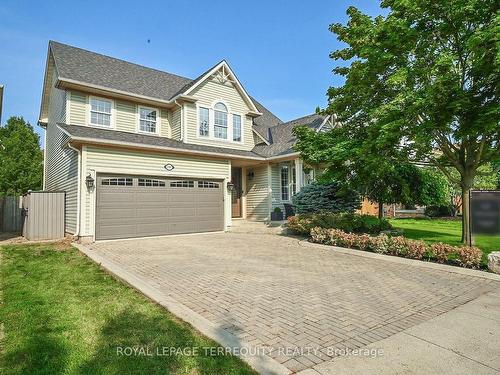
(285, 181)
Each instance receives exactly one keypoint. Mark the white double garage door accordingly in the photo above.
(132, 206)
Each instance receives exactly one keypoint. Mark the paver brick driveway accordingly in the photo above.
(270, 290)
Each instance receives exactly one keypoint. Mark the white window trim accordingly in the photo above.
(281, 182)
(227, 127)
(138, 120)
(198, 119)
(211, 123)
(89, 110)
(232, 127)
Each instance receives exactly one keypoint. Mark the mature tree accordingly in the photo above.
(21, 160)
(488, 178)
(422, 84)
(382, 178)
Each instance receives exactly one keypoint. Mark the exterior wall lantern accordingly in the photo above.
(230, 186)
(89, 181)
(250, 175)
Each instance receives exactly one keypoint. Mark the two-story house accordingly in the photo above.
(141, 152)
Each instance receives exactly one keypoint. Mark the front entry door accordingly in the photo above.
(236, 193)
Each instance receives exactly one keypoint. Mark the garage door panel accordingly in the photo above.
(208, 211)
(207, 227)
(148, 213)
(152, 197)
(181, 197)
(107, 232)
(134, 211)
(111, 198)
(181, 213)
(151, 229)
(117, 213)
(183, 227)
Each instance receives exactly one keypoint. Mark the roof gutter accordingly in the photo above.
(61, 82)
(158, 148)
(283, 156)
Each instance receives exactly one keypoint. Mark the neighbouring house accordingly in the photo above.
(142, 152)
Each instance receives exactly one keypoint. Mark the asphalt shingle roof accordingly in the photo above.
(91, 133)
(282, 137)
(92, 68)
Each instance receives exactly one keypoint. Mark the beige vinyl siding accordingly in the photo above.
(125, 114)
(257, 196)
(61, 164)
(77, 108)
(207, 94)
(128, 162)
(256, 139)
(176, 124)
(165, 128)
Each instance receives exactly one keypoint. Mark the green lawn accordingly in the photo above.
(62, 314)
(447, 231)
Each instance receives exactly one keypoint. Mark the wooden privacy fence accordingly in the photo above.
(11, 219)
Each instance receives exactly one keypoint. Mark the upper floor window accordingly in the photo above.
(100, 112)
(204, 121)
(237, 128)
(220, 121)
(147, 120)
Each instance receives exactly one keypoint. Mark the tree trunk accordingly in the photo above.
(466, 216)
(380, 210)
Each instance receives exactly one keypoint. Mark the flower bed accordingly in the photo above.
(348, 222)
(464, 256)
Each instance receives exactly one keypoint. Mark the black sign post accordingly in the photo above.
(485, 212)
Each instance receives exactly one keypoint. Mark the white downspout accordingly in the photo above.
(78, 189)
(44, 182)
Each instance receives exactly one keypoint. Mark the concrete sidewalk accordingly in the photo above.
(465, 340)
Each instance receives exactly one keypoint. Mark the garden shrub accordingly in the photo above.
(416, 249)
(400, 246)
(319, 235)
(380, 244)
(439, 211)
(347, 222)
(469, 256)
(363, 241)
(441, 251)
(318, 197)
(300, 225)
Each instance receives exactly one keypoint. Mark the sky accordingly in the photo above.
(279, 50)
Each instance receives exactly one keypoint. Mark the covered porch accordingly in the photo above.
(261, 187)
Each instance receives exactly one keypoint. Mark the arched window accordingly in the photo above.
(220, 121)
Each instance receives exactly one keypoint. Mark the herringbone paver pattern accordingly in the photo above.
(302, 302)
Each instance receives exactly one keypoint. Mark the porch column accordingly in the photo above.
(299, 175)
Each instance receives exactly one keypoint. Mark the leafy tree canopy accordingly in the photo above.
(421, 84)
(21, 160)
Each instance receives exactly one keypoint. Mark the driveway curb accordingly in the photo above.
(261, 363)
(405, 261)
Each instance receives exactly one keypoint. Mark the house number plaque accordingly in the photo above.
(169, 167)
